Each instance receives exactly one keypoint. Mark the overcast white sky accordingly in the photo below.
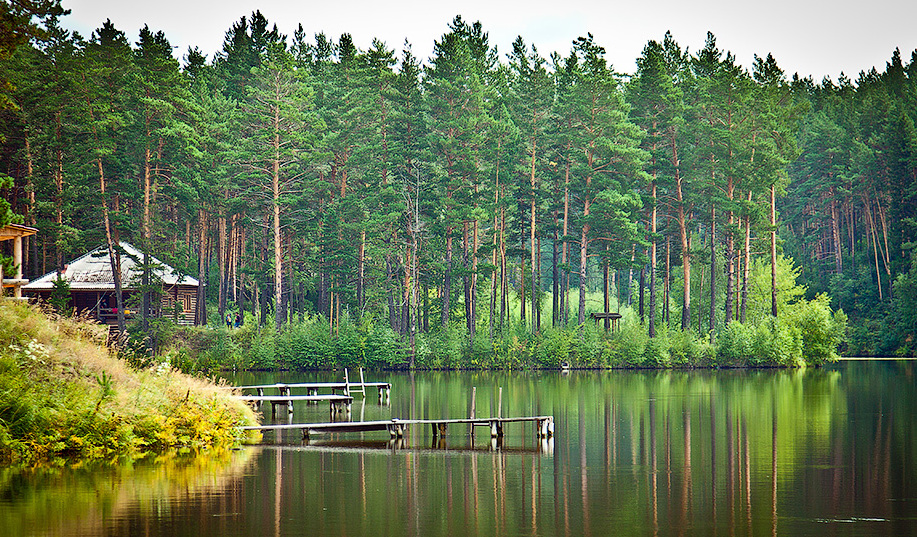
(812, 37)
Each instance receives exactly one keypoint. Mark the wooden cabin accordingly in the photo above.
(15, 281)
(92, 286)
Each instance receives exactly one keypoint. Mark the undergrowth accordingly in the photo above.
(65, 395)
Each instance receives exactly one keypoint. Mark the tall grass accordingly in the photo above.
(64, 395)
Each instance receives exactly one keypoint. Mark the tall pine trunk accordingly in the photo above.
(653, 229)
(564, 256)
(278, 245)
(686, 266)
(114, 253)
(606, 289)
(361, 273)
(583, 250)
(773, 222)
(836, 235)
(532, 238)
(473, 309)
(504, 277)
(713, 272)
(555, 252)
(667, 285)
(730, 269)
(201, 305)
(466, 277)
(447, 279)
(59, 192)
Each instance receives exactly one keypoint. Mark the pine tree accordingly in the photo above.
(658, 107)
(606, 144)
(281, 133)
(533, 100)
(458, 118)
(107, 75)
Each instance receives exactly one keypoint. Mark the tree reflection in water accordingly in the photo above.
(803, 452)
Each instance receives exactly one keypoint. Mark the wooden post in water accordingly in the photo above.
(471, 416)
(500, 403)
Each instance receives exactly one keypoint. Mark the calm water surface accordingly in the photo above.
(830, 451)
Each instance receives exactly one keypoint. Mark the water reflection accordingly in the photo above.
(105, 499)
(828, 451)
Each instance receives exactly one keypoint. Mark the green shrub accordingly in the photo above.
(656, 353)
(441, 349)
(806, 332)
(776, 343)
(821, 331)
(686, 349)
(627, 346)
(554, 348)
(735, 346)
(382, 347)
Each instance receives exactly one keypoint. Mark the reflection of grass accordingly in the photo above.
(86, 499)
(63, 396)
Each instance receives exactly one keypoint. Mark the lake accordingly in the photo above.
(828, 451)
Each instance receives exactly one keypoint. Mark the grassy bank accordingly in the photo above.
(63, 396)
(805, 333)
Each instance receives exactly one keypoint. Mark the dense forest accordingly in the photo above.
(301, 177)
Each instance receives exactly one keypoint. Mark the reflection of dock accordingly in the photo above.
(543, 447)
(544, 426)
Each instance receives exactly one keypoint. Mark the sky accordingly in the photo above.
(817, 38)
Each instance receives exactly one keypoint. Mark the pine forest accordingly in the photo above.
(474, 208)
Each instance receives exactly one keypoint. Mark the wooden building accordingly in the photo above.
(92, 286)
(15, 233)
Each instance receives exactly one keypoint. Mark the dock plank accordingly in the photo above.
(313, 385)
(339, 403)
(274, 398)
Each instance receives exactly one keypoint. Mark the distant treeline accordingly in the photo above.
(297, 176)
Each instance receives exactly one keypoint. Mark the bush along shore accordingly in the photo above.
(65, 396)
(806, 333)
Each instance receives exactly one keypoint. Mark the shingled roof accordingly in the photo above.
(93, 272)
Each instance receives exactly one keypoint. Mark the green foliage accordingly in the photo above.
(821, 330)
(62, 397)
(759, 287)
(905, 310)
(687, 350)
(806, 333)
(60, 296)
(735, 346)
(6, 263)
(441, 349)
(343, 183)
(774, 344)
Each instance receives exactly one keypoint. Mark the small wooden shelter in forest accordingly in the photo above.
(15, 233)
(92, 286)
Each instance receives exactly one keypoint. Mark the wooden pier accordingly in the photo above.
(339, 403)
(347, 387)
(544, 426)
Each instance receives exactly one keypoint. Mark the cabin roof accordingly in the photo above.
(92, 271)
